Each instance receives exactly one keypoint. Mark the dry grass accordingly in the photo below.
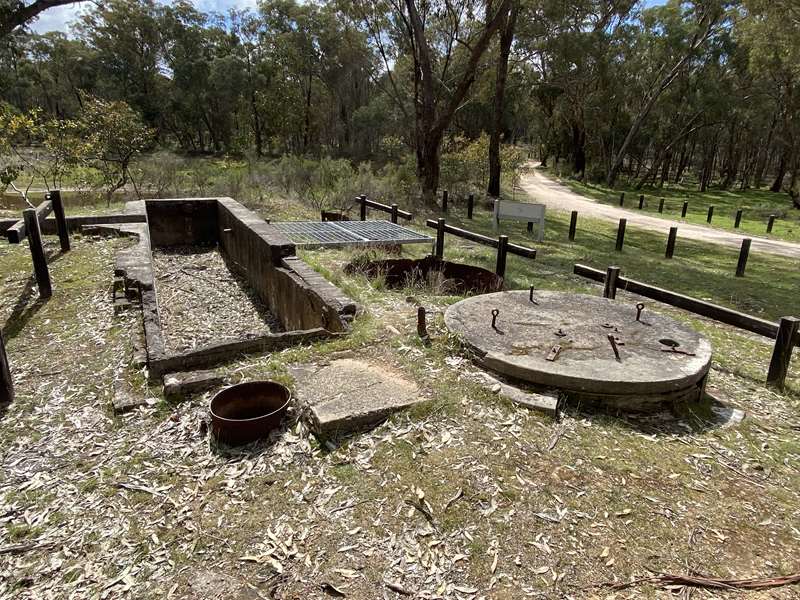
(464, 497)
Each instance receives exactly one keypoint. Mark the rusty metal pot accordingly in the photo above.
(246, 412)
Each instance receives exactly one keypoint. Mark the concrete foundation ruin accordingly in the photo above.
(307, 306)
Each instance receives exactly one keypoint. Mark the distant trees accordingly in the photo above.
(703, 92)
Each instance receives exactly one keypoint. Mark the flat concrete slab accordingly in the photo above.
(563, 340)
(350, 395)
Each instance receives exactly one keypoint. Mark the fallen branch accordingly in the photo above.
(703, 581)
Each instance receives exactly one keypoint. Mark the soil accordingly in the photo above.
(559, 197)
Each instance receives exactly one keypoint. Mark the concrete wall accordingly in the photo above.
(295, 293)
(183, 222)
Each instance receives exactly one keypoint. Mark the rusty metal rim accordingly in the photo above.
(244, 385)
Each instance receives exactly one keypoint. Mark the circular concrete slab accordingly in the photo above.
(562, 341)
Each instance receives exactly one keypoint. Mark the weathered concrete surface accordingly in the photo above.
(125, 400)
(351, 395)
(176, 222)
(546, 402)
(295, 293)
(308, 306)
(526, 333)
(215, 354)
(179, 386)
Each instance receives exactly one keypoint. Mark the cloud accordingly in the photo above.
(60, 19)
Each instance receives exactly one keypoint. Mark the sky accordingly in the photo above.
(58, 19)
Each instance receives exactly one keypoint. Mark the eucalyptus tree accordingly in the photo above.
(17, 13)
(441, 43)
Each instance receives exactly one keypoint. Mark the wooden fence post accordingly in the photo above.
(738, 220)
(673, 235)
(782, 352)
(744, 252)
(363, 200)
(610, 287)
(6, 384)
(770, 223)
(573, 225)
(710, 214)
(444, 201)
(394, 213)
(641, 201)
(502, 252)
(684, 209)
(61, 220)
(661, 205)
(621, 234)
(440, 238)
(37, 253)
(622, 199)
(470, 205)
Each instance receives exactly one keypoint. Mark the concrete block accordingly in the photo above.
(179, 386)
(350, 395)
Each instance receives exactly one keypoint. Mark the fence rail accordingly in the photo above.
(392, 209)
(483, 239)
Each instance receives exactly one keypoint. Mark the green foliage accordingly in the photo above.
(465, 165)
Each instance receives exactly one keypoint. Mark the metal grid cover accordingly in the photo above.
(349, 233)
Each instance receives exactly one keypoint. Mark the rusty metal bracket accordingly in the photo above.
(613, 343)
(639, 309)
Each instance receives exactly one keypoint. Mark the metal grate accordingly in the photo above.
(349, 233)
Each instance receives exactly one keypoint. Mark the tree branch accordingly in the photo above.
(16, 18)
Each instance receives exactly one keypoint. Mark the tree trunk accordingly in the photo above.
(777, 185)
(431, 120)
(307, 124)
(506, 39)
(655, 93)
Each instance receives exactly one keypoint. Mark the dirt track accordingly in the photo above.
(559, 197)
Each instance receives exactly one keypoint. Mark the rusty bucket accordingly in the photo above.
(246, 412)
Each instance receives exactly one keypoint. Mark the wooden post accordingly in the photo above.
(743, 254)
(444, 201)
(422, 326)
(573, 225)
(782, 352)
(363, 200)
(37, 253)
(470, 205)
(622, 199)
(710, 214)
(610, 287)
(440, 238)
(684, 209)
(61, 220)
(770, 223)
(661, 205)
(738, 220)
(502, 252)
(394, 213)
(641, 201)
(673, 235)
(6, 384)
(621, 234)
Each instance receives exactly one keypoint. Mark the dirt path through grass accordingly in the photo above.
(559, 197)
